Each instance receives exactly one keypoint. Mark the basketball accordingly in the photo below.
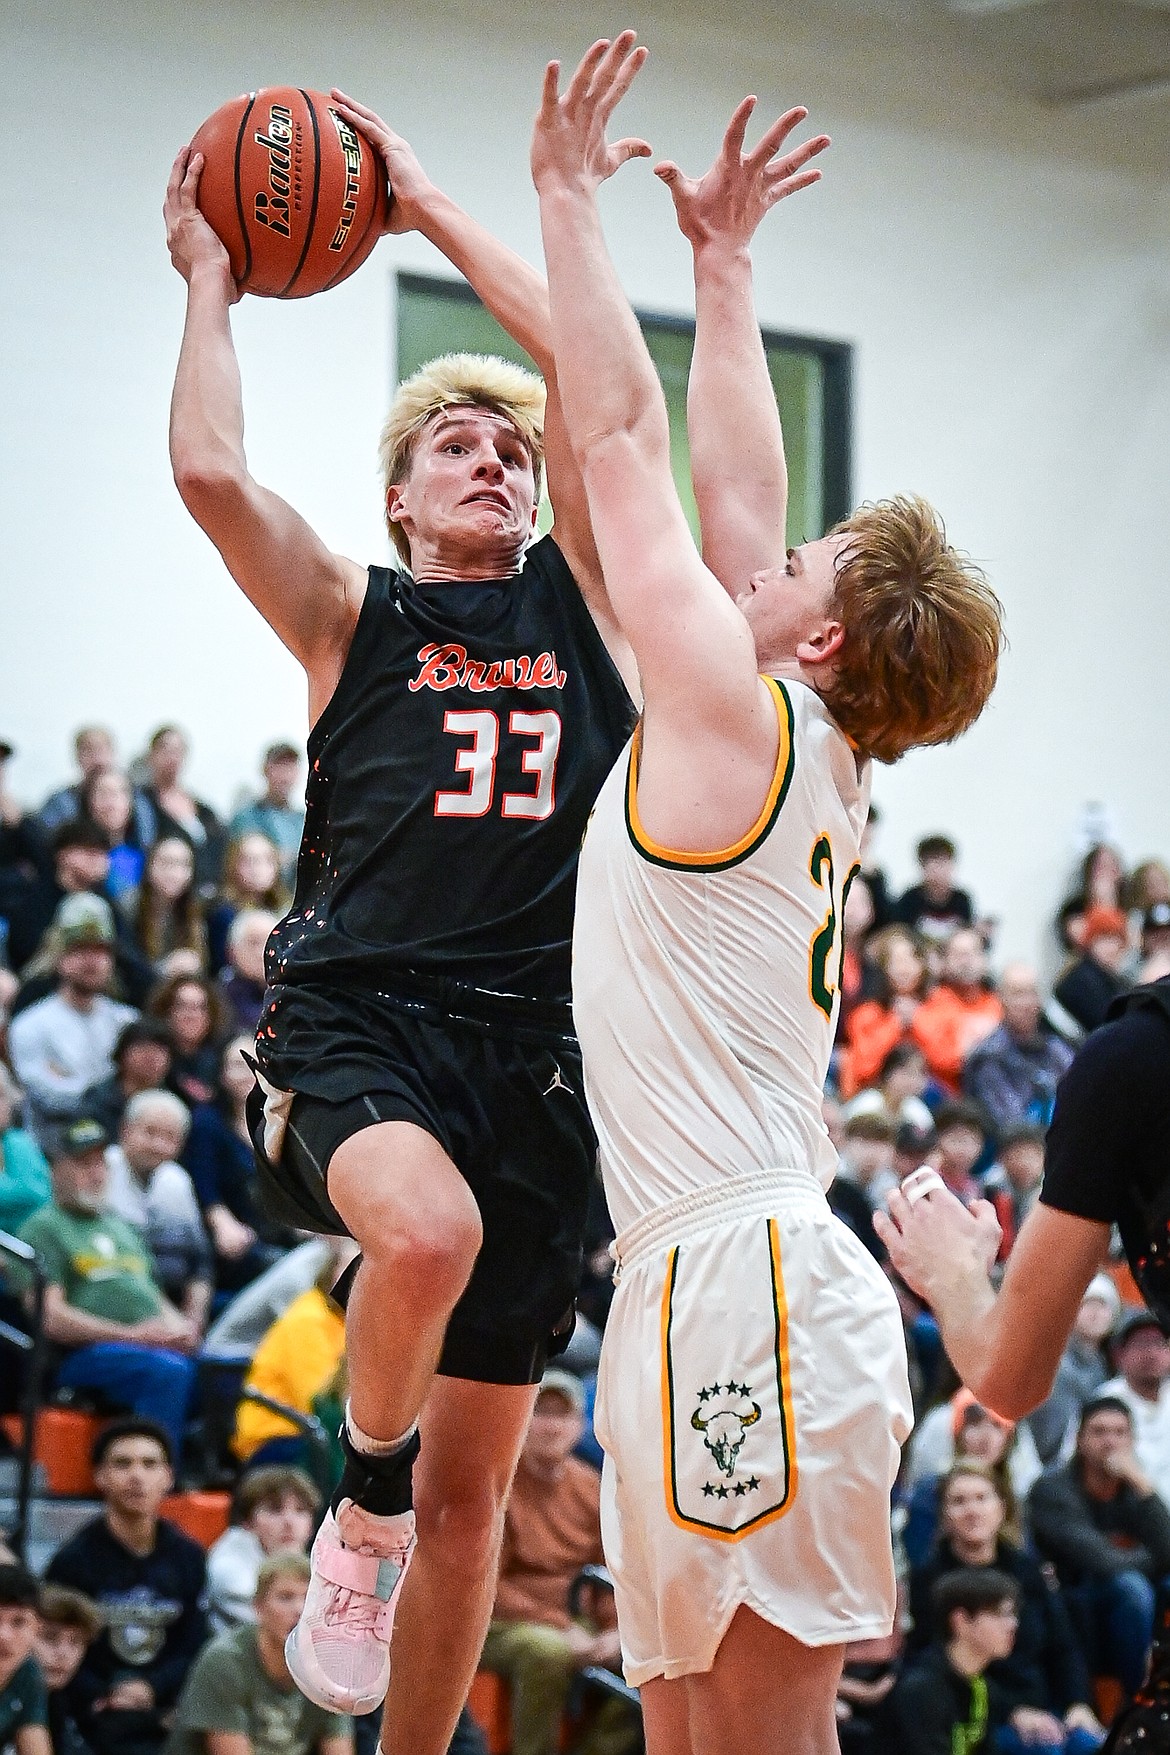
(295, 194)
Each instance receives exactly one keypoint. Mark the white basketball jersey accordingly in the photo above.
(706, 985)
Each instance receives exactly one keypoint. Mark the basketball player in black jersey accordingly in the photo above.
(1107, 1162)
(421, 1085)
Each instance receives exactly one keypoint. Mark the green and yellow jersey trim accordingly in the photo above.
(784, 1397)
(720, 860)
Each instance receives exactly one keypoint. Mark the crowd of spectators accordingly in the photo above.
(132, 925)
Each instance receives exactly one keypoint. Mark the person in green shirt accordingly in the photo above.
(103, 1306)
(239, 1698)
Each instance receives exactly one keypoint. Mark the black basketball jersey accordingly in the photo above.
(451, 777)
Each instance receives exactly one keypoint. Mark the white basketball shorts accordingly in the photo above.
(752, 1401)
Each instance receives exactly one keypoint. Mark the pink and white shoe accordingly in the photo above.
(339, 1651)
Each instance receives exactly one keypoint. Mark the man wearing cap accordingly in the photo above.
(103, 1307)
(552, 1529)
(275, 813)
(65, 1042)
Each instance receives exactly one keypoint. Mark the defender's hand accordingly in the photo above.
(568, 141)
(410, 187)
(935, 1241)
(728, 203)
(192, 243)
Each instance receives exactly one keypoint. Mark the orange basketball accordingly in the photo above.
(297, 196)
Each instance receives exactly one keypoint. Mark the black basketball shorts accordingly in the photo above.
(505, 1103)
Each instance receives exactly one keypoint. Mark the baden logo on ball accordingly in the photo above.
(296, 195)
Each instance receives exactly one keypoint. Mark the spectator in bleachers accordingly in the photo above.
(64, 1043)
(961, 1012)
(961, 1426)
(273, 1510)
(914, 1147)
(179, 812)
(103, 1307)
(164, 912)
(150, 1190)
(251, 879)
(1141, 1355)
(552, 1528)
(942, 1704)
(1100, 882)
(241, 981)
(1147, 885)
(24, 1170)
(109, 802)
(964, 1431)
(935, 907)
(93, 748)
(877, 1025)
(865, 1174)
(222, 1164)
(1081, 1372)
(70, 1622)
(961, 1138)
(873, 874)
(1155, 944)
(1104, 1528)
(293, 1363)
(147, 1579)
(142, 1062)
(24, 1710)
(279, 812)
(1014, 1072)
(1093, 981)
(1013, 1182)
(1045, 1676)
(194, 1013)
(240, 1698)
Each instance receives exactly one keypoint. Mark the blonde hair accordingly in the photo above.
(458, 380)
(923, 632)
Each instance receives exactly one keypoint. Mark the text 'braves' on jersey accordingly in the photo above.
(451, 777)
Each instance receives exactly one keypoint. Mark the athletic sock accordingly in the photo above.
(380, 1481)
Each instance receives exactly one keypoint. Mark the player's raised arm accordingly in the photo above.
(733, 424)
(517, 296)
(309, 596)
(694, 649)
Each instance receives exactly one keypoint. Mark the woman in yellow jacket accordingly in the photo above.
(295, 1361)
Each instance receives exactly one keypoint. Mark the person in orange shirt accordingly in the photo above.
(874, 1026)
(960, 1013)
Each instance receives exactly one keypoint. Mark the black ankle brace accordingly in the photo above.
(379, 1484)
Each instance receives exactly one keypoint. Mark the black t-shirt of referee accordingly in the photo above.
(1107, 1155)
(451, 777)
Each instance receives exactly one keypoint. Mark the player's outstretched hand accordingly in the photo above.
(729, 202)
(410, 187)
(936, 1243)
(568, 141)
(190, 239)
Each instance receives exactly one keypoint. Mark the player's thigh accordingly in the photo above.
(472, 1434)
(392, 1183)
(665, 1716)
(765, 1692)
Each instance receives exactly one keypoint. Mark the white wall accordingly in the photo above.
(1003, 275)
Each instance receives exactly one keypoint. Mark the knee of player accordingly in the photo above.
(462, 1518)
(431, 1251)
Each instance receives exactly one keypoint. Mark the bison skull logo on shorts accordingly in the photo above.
(725, 1430)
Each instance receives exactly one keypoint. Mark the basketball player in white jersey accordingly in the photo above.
(753, 1389)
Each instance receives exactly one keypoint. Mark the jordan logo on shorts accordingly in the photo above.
(559, 1082)
(730, 1444)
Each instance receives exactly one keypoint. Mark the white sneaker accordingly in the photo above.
(339, 1651)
